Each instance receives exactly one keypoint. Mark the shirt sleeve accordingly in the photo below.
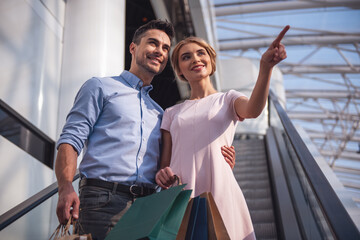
(166, 120)
(80, 121)
(231, 96)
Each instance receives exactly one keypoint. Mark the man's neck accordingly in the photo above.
(145, 78)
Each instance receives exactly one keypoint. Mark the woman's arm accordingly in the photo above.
(252, 108)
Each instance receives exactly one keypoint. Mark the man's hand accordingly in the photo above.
(165, 178)
(276, 52)
(229, 155)
(68, 204)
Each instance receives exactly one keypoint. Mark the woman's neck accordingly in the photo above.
(201, 89)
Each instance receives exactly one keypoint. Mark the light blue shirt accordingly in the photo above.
(118, 125)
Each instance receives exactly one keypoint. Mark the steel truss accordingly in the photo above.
(330, 117)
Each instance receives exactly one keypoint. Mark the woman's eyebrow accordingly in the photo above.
(185, 53)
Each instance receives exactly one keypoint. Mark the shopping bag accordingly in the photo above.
(62, 232)
(185, 221)
(157, 216)
(216, 226)
(198, 227)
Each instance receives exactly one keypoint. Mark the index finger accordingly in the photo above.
(281, 35)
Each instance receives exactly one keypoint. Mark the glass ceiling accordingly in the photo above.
(321, 73)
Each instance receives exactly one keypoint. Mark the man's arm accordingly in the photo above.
(65, 168)
(229, 155)
(165, 177)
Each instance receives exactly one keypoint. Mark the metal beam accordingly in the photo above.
(322, 94)
(313, 116)
(281, 6)
(290, 41)
(338, 136)
(307, 69)
(344, 154)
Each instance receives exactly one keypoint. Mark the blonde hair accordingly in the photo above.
(202, 43)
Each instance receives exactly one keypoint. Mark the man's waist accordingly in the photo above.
(134, 189)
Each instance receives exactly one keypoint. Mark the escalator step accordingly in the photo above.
(252, 176)
(251, 173)
(262, 216)
(256, 193)
(259, 204)
(254, 184)
(240, 164)
(265, 230)
(251, 169)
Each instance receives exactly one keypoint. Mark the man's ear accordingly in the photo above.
(132, 47)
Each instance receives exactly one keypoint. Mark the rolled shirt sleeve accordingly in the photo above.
(83, 115)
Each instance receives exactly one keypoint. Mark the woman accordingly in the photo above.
(194, 130)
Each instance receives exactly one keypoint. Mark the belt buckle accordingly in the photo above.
(135, 194)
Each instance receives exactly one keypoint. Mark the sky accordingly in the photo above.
(323, 21)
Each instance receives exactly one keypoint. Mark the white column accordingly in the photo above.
(94, 38)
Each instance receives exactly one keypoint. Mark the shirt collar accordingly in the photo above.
(134, 81)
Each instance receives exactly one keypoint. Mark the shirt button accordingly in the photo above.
(143, 139)
(140, 176)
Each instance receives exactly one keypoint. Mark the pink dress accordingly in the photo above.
(199, 128)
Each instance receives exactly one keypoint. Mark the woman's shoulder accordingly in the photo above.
(231, 94)
(174, 108)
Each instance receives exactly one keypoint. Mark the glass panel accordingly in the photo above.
(26, 136)
(39, 223)
(313, 213)
(311, 219)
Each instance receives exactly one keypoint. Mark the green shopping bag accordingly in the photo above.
(157, 216)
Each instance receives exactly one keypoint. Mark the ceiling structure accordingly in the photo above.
(321, 73)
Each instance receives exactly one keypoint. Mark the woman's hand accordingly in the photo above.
(276, 52)
(229, 155)
(165, 178)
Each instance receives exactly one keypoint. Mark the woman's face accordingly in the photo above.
(194, 62)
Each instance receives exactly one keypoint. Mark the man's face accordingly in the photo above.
(151, 54)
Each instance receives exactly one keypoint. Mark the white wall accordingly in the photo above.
(48, 48)
(241, 74)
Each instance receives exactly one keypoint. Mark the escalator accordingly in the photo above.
(251, 172)
(287, 194)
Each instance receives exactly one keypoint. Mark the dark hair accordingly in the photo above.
(154, 24)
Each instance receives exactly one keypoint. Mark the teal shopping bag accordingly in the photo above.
(157, 216)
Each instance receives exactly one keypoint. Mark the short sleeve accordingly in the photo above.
(166, 120)
(230, 98)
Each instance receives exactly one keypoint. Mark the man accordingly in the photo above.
(118, 123)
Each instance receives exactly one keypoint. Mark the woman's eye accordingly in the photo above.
(185, 57)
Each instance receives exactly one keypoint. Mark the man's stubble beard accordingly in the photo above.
(142, 63)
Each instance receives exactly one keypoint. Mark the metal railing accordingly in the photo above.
(322, 203)
(23, 208)
(25, 135)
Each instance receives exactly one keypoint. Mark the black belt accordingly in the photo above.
(135, 190)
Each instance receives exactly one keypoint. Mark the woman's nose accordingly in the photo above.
(196, 59)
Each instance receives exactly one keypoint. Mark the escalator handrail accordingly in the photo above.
(26, 206)
(338, 218)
